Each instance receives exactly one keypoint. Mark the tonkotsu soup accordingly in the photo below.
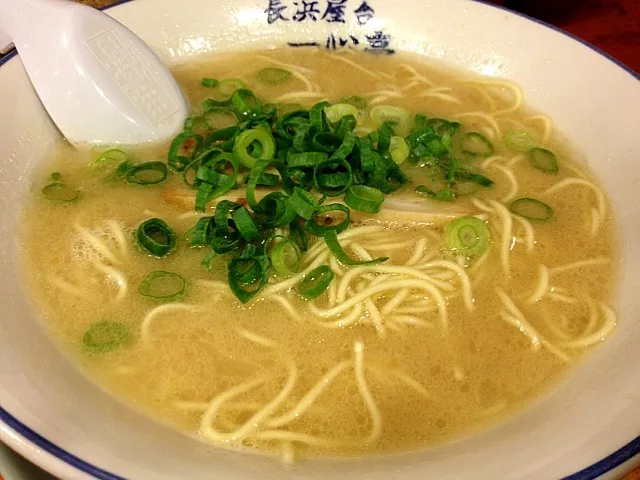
(340, 254)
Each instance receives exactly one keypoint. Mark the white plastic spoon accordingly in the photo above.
(99, 82)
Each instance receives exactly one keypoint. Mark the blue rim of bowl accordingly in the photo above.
(601, 467)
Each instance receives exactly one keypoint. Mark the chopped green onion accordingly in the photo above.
(247, 275)
(285, 257)
(333, 176)
(398, 149)
(148, 173)
(467, 235)
(315, 282)
(476, 144)
(398, 118)
(156, 237)
(162, 285)
(532, 209)
(274, 75)
(229, 85)
(186, 142)
(315, 228)
(105, 336)
(219, 118)
(444, 195)
(60, 192)
(331, 239)
(543, 160)
(364, 199)
(245, 224)
(358, 102)
(304, 203)
(520, 140)
(111, 155)
(335, 112)
(209, 82)
(243, 146)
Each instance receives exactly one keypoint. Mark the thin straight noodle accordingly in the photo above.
(580, 181)
(311, 396)
(119, 236)
(459, 271)
(392, 285)
(391, 246)
(66, 286)
(375, 317)
(96, 243)
(410, 320)
(351, 319)
(361, 252)
(356, 272)
(115, 275)
(286, 304)
(290, 282)
(546, 125)
(490, 160)
(562, 298)
(507, 236)
(487, 118)
(376, 418)
(593, 318)
(513, 191)
(598, 336)
(579, 264)
(397, 299)
(417, 252)
(542, 286)
(404, 378)
(513, 160)
(355, 65)
(530, 236)
(442, 96)
(286, 97)
(145, 325)
(415, 73)
(517, 93)
(335, 266)
(347, 234)
(285, 65)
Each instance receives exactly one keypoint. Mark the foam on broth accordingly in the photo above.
(428, 384)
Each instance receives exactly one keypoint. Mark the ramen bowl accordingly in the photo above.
(589, 425)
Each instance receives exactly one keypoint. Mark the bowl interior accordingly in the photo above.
(596, 411)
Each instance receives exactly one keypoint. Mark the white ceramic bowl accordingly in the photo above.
(54, 416)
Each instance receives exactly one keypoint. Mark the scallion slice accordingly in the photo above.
(284, 256)
(304, 203)
(113, 155)
(364, 199)
(245, 224)
(209, 82)
(229, 86)
(467, 235)
(532, 209)
(520, 140)
(358, 102)
(274, 75)
(322, 215)
(156, 237)
(162, 285)
(148, 173)
(315, 282)
(60, 192)
(335, 112)
(246, 152)
(105, 336)
(473, 143)
(398, 118)
(331, 239)
(398, 149)
(543, 160)
(247, 274)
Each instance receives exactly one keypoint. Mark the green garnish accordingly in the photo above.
(148, 173)
(520, 140)
(331, 239)
(162, 285)
(105, 336)
(364, 199)
(467, 235)
(335, 112)
(476, 144)
(532, 209)
(543, 160)
(252, 145)
(285, 255)
(156, 237)
(358, 102)
(274, 75)
(209, 82)
(315, 282)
